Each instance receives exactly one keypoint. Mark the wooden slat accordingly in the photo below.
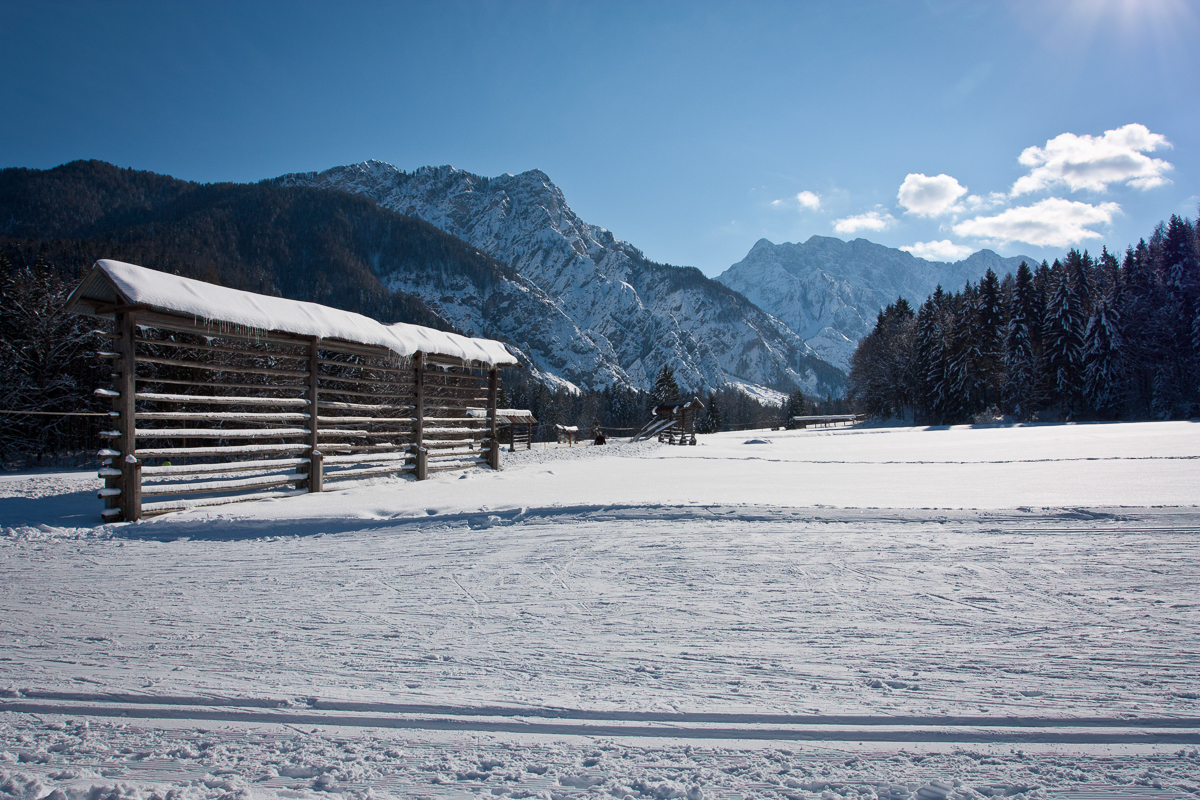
(218, 349)
(329, 433)
(367, 457)
(219, 487)
(217, 400)
(333, 447)
(219, 433)
(171, 362)
(222, 450)
(335, 475)
(364, 406)
(476, 462)
(322, 419)
(368, 381)
(366, 367)
(187, 470)
(224, 416)
(373, 395)
(210, 384)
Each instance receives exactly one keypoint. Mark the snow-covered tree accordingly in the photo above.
(1103, 365)
(1062, 339)
(1021, 381)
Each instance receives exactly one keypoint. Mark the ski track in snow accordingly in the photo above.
(527, 639)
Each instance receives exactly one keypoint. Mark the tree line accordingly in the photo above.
(1082, 338)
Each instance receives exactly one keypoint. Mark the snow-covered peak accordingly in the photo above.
(830, 291)
(632, 314)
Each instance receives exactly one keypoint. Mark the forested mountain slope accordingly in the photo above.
(298, 242)
(639, 314)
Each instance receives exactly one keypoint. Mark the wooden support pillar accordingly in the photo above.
(493, 430)
(316, 476)
(419, 417)
(316, 471)
(131, 468)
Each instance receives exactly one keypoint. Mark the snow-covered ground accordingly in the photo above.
(861, 613)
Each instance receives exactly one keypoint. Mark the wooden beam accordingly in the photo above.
(419, 416)
(316, 480)
(131, 473)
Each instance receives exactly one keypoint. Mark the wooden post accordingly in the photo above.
(316, 478)
(494, 444)
(131, 494)
(316, 471)
(419, 417)
(131, 469)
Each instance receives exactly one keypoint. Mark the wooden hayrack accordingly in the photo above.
(520, 422)
(209, 412)
(672, 423)
(566, 434)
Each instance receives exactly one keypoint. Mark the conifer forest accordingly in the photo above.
(1084, 338)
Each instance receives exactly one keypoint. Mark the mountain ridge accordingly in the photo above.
(830, 291)
(638, 314)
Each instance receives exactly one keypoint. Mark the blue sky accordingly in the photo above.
(689, 129)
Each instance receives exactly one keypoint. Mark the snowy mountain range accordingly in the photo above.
(614, 317)
(830, 292)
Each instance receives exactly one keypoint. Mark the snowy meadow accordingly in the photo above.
(872, 612)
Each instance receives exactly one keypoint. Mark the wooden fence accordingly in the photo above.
(214, 414)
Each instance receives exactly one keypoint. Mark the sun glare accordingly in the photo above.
(1159, 24)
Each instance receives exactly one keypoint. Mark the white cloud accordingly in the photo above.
(945, 250)
(1053, 222)
(810, 200)
(1093, 162)
(975, 202)
(929, 197)
(870, 221)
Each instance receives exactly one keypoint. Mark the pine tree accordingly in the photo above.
(795, 406)
(665, 389)
(927, 361)
(990, 337)
(710, 419)
(1062, 337)
(1103, 367)
(1021, 395)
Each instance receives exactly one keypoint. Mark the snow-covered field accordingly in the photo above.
(868, 613)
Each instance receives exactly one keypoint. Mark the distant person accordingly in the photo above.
(600, 437)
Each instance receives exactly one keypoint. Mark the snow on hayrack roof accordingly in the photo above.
(139, 286)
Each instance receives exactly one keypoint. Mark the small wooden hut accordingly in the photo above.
(221, 395)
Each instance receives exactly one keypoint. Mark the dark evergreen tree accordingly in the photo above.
(1062, 338)
(665, 389)
(1021, 380)
(989, 333)
(881, 369)
(710, 419)
(927, 361)
(796, 405)
(1103, 365)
